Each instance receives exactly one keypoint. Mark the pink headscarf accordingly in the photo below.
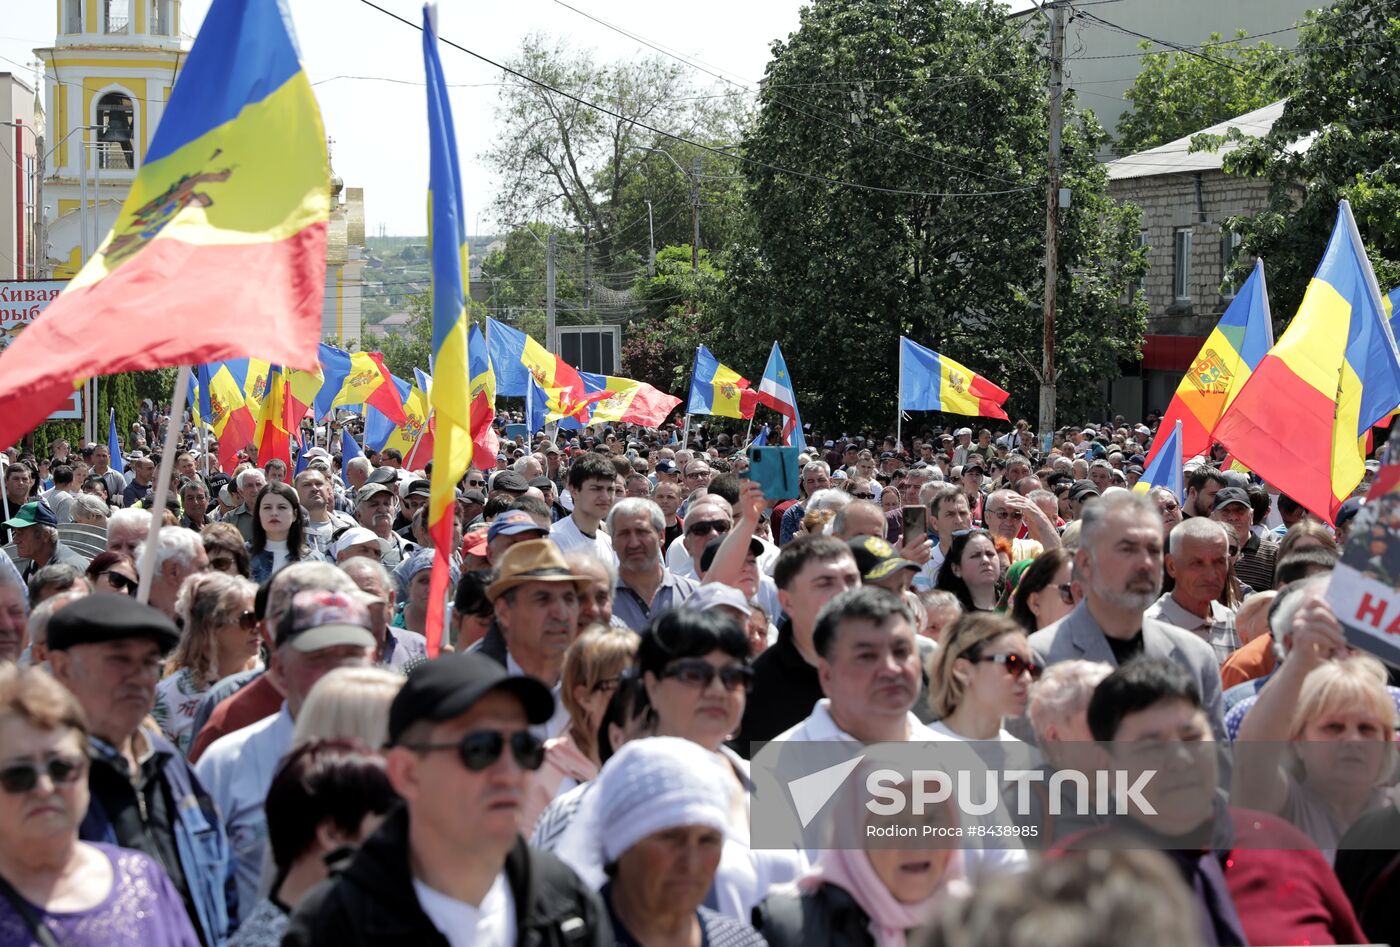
(889, 917)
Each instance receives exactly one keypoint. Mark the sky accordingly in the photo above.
(379, 127)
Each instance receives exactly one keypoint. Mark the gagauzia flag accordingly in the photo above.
(775, 390)
(1302, 420)
(226, 217)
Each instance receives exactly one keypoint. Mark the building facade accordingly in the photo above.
(1186, 200)
(108, 77)
(21, 138)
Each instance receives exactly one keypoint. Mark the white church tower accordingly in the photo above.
(107, 77)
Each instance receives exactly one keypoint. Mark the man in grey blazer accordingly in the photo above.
(1119, 562)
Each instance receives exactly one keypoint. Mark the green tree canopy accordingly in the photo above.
(660, 348)
(1342, 105)
(1176, 93)
(933, 111)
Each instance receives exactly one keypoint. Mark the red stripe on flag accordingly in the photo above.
(1280, 427)
(174, 304)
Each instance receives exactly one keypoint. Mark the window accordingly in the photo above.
(162, 18)
(73, 16)
(115, 15)
(1181, 280)
(114, 118)
(1229, 242)
(1140, 284)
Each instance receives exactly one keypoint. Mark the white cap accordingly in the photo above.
(351, 537)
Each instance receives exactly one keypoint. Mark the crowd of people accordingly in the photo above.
(263, 751)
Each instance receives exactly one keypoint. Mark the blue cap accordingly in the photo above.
(513, 523)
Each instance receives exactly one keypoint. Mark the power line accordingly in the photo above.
(672, 136)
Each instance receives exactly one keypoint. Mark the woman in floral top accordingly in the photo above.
(220, 638)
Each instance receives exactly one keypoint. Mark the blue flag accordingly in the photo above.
(349, 450)
(762, 438)
(507, 346)
(301, 455)
(1165, 469)
(114, 446)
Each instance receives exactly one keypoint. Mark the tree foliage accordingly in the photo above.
(516, 276)
(945, 98)
(1342, 103)
(1177, 93)
(563, 162)
(660, 348)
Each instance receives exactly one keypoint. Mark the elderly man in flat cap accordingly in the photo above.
(107, 650)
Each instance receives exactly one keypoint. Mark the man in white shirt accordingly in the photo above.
(320, 624)
(593, 486)
(449, 866)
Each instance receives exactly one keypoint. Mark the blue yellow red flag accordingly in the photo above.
(1302, 420)
(450, 395)
(483, 393)
(226, 216)
(270, 435)
(628, 401)
(717, 389)
(932, 382)
(219, 403)
(1231, 353)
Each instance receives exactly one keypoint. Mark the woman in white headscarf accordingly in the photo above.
(652, 834)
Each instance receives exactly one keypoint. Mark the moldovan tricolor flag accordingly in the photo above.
(715, 388)
(1302, 419)
(449, 394)
(1217, 374)
(775, 390)
(932, 382)
(219, 251)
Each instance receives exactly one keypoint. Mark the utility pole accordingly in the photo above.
(695, 227)
(651, 244)
(587, 271)
(549, 294)
(41, 242)
(1052, 200)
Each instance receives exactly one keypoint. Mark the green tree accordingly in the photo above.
(413, 347)
(942, 98)
(1342, 106)
(516, 276)
(660, 348)
(1176, 93)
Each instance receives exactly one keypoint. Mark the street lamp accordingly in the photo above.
(694, 177)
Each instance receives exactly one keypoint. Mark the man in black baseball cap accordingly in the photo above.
(1256, 556)
(107, 650)
(1080, 493)
(461, 755)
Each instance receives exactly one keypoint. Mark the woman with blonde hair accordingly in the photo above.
(1335, 709)
(593, 666)
(980, 676)
(220, 638)
(349, 703)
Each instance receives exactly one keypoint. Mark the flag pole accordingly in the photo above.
(899, 401)
(167, 466)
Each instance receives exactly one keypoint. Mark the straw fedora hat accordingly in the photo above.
(535, 560)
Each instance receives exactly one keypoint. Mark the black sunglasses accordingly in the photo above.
(120, 582)
(19, 778)
(706, 527)
(863, 496)
(480, 748)
(1014, 664)
(221, 564)
(1066, 592)
(700, 674)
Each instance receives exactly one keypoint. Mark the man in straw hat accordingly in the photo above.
(536, 599)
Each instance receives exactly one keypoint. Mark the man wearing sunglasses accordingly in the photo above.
(450, 862)
(709, 516)
(107, 650)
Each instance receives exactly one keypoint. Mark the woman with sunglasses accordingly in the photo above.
(279, 532)
(695, 668)
(113, 572)
(220, 638)
(981, 676)
(972, 570)
(1044, 594)
(593, 665)
(224, 546)
(83, 894)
